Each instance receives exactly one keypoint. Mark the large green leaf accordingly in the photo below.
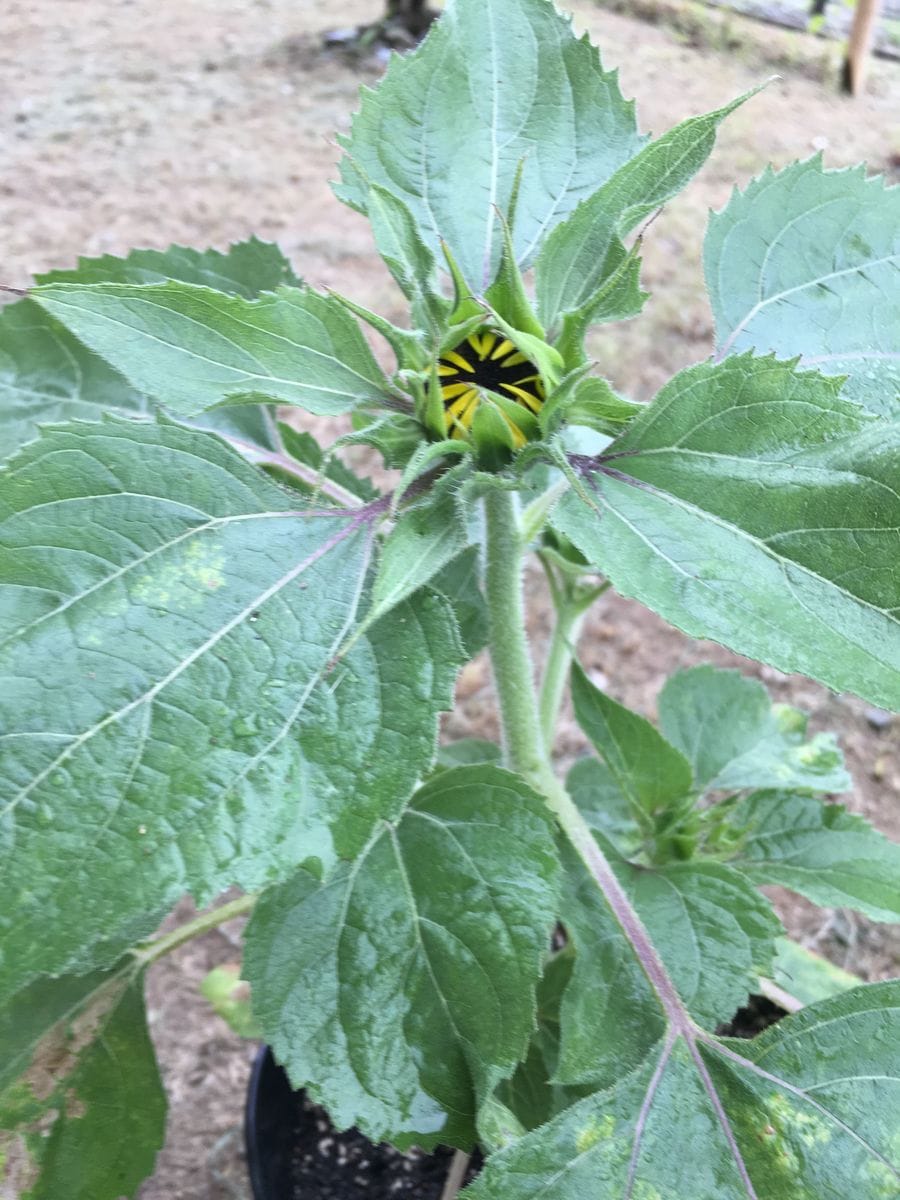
(244, 269)
(83, 1112)
(47, 375)
(807, 261)
(820, 850)
(495, 88)
(751, 505)
(172, 715)
(586, 249)
(735, 739)
(402, 985)
(193, 348)
(807, 1109)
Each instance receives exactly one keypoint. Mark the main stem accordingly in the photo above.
(524, 746)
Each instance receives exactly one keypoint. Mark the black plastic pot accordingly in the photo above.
(282, 1129)
(268, 1129)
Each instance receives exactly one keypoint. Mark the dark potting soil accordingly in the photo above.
(756, 1015)
(327, 1165)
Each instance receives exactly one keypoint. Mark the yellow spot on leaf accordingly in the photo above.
(595, 1131)
(183, 582)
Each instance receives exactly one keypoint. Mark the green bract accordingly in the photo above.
(224, 656)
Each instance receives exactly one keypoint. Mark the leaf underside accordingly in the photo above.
(749, 504)
(806, 261)
(448, 130)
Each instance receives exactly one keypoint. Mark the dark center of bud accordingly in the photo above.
(486, 360)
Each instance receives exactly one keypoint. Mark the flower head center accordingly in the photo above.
(486, 360)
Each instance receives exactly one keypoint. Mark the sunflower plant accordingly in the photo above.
(224, 656)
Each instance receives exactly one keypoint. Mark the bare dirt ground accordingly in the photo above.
(134, 123)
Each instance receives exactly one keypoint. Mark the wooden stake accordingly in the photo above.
(853, 75)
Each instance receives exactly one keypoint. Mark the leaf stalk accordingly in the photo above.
(150, 952)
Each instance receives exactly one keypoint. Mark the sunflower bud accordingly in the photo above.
(487, 371)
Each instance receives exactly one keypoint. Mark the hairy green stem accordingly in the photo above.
(523, 745)
(563, 641)
(149, 952)
(525, 750)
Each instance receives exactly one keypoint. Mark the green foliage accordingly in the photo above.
(88, 1100)
(735, 739)
(739, 519)
(223, 658)
(47, 375)
(798, 1111)
(652, 775)
(820, 850)
(805, 261)
(193, 348)
(586, 249)
(453, 130)
(364, 981)
(170, 686)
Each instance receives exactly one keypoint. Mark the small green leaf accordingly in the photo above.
(426, 537)
(604, 805)
(726, 725)
(591, 403)
(618, 298)
(805, 261)
(400, 989)
(305, 449)
(411, 262)
(448, 129)
(468, 752)
(244, 269)
(396, 437)
(829, 855)
(507, 295)
(86, 1116)
(653, 775)
(807, 976)
(585, 250)
(409, 345)
(749, 504)
(193, 348)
